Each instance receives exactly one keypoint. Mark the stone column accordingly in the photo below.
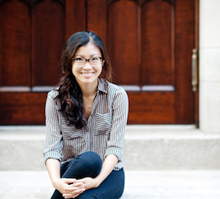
(209, 63)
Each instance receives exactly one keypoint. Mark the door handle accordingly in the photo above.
(194, 70)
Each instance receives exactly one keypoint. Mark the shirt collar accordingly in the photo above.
(101, 85)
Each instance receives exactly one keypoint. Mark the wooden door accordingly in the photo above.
(149, 42)
(31, 40)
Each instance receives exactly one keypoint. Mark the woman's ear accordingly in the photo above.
(103, 63)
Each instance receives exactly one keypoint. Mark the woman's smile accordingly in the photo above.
(87, 74)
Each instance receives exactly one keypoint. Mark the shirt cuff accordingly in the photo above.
(115, 151)
(53, 155)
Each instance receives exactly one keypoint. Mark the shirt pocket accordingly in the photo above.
(102, 124)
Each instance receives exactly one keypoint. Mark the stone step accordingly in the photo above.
(145, 148)
(145, 184)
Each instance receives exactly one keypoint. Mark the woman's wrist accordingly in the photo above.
(97, 182)
(55, 182)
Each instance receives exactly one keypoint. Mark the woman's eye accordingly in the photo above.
(79, 59)
(95, 58)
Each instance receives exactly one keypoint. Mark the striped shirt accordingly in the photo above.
(103, 134)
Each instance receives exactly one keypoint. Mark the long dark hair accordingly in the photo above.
(69, 92)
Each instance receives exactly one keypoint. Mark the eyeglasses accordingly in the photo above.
(93, 61)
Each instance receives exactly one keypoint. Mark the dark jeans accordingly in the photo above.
(89, 164)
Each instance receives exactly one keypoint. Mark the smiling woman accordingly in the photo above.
(86, 118)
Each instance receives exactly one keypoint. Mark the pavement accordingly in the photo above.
(147, 184)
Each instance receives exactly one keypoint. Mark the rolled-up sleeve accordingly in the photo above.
(53, 142)
(119, 122)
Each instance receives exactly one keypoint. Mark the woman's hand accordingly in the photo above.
(89, 183)
(70, 188)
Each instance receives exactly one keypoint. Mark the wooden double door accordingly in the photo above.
(150, 44)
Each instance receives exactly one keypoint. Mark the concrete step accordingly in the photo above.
(138, 185)
(145, 148)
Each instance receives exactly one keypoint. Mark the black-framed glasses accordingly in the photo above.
(93, 61)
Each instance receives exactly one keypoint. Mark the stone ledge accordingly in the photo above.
(145, 148)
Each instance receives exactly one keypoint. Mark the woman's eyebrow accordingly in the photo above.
(90, 55)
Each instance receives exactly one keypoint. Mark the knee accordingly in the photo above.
(90, 160)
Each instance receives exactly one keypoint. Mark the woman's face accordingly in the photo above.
(89, 71)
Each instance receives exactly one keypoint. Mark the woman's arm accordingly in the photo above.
(53, 168)
(119, 122)
(107, 167)
(67, 186)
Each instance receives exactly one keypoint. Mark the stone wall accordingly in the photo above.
(209, 65)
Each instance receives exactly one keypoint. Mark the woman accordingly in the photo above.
(86, 118)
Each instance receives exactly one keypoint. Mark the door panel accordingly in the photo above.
(48, 29)
(15, 44)
(123, 44)
(157, 46)
(75, 17)
(96, 17)
(149, 43)
(151, 107)
(22, 108)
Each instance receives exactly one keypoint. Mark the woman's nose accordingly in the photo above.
(87, 65)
